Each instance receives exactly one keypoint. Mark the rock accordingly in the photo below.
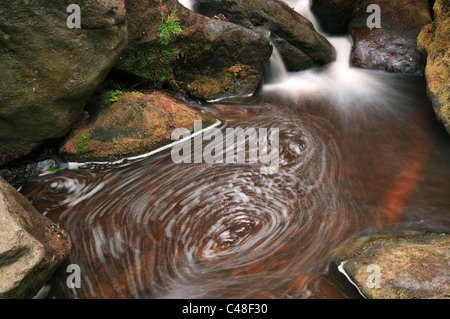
(398, 266)
(134, 124)
(392, 47)
(302, 47)
(334, 15)
(31, 246)
(433, 42)
(293, 58)
(49, 71)
(172, 47)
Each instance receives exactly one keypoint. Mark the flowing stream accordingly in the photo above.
(359, 152)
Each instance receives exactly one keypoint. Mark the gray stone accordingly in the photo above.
(31, 246)
(300, 45)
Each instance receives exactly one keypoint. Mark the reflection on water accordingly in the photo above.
(154, 229)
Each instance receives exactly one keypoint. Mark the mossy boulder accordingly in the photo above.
(173, 47)
(433, 42)
(128, 124)
(334, 15)
(300, 46)
(398, 266)
(393, 47)
(49, 71)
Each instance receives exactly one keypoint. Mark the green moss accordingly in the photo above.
(153, 62)
(213, 87)
(169, 27)
(424, 39)
(83, 144)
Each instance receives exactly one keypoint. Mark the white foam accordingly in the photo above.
(76, 165)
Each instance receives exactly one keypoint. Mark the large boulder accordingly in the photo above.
(31, 246)
(129, 123)
(48, 70)
(393, 47)
(300, 46)
(334, 15)
(433, 42)
(397, 266)
(173, 47)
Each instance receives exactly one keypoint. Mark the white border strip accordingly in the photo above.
(342, 271)
(230, 97)
(76, 165)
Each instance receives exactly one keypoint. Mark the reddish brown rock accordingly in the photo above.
(130, 124)
(392, 47)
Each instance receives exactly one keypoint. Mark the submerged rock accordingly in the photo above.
(173, 47)
(433, 42)
(135, 123)
(31, 246)
(392, 47)
(48, 70)
(405, 266)
(300, 46)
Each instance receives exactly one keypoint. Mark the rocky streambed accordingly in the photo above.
(136, 70)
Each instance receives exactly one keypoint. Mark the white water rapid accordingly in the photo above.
(339, 83)
(187, 3)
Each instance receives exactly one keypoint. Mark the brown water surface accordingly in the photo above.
(151, 228)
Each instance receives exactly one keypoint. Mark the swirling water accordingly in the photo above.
(151, 228)
(355, 156)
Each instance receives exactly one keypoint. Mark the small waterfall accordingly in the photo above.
(276, 70)
(339, 83)
(187, 3)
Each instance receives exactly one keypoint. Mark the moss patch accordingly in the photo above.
(410, 266)
(136, 124)
(229, 81)
(433, 41)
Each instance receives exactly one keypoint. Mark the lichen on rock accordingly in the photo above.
(137, 123)
(398, 266)
(433, 41)
(195, 58)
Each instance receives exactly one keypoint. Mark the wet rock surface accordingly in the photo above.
(334, 15)
(398, 266)
(173, 47)
(49, 71)
(300, 45)
(392, 47)
(433, 42)
(134, 124)
(31, 246)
